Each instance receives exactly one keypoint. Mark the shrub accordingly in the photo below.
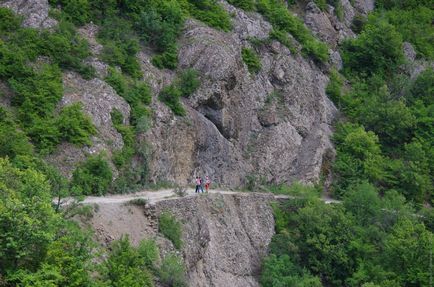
(76, 11)
(334, 87)
(188, 82)
(378, 50)
(211, 13)
(137, 94)
(170, 228)
(74, 126)
(283, 38)
(251, 59)
(126, 267)
(13, 141)
(148, 251)
(172, 271)
(117, 81)
(93, 176)
(120, 45)
(167, 59)
(248, 5)
(9, 22)
(281, 271)
(138, 201)
(358, 23)
(170, 95)
(282, 20)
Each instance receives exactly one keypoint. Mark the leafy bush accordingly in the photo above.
(13, 141)
(170, 228)
(280, 272)
(283, 38)
(149, 252)
(188, 82)
(172, 271)
(136, 93)
(358, 158)
(126, 265)
(211, 13)
(282, 20)
(93, 176)
(9, 21)
(403, 4)
(74, 126)
(414, 26)
(120, 45)
(248, 5)
(170, 95)
(168, 59)
(378, 50)
(334, 87)
(76, 11)
(367, 237)
(251, 59)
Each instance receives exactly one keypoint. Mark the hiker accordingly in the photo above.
(201, 184)
(197, 184)
(207, 183)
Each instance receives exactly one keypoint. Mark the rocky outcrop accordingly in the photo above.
(274, 125)
(230, 130)
(35, 12)
(224, 237)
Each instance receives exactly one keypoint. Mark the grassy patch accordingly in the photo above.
(251, 59)
(284, 21)
(170, 228)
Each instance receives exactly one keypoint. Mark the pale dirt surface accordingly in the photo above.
(156, 196)
(167, 194)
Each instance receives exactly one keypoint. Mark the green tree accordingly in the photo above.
(74, 126)
(281, 272)
(378, 49)
(407, 253)
(93, 176)
(125, 267)
(27, 221)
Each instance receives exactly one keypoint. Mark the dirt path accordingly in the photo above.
(167, 194)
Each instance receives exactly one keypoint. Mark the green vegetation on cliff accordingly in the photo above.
(366, 239)
(381, 233)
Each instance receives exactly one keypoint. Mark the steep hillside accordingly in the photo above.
(273, 125)
(309, 99)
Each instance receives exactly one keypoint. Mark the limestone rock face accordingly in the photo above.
(35, 12)
(225, 237)
(274, 124)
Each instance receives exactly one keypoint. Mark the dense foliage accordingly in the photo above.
(367, 239)
(389, 141)
(384, 157)
(38, 88)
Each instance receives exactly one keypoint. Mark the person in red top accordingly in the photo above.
(207, 183)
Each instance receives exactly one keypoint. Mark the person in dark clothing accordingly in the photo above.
(197, 184)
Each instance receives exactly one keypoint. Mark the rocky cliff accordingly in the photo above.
(274, 125)
(224, 236)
